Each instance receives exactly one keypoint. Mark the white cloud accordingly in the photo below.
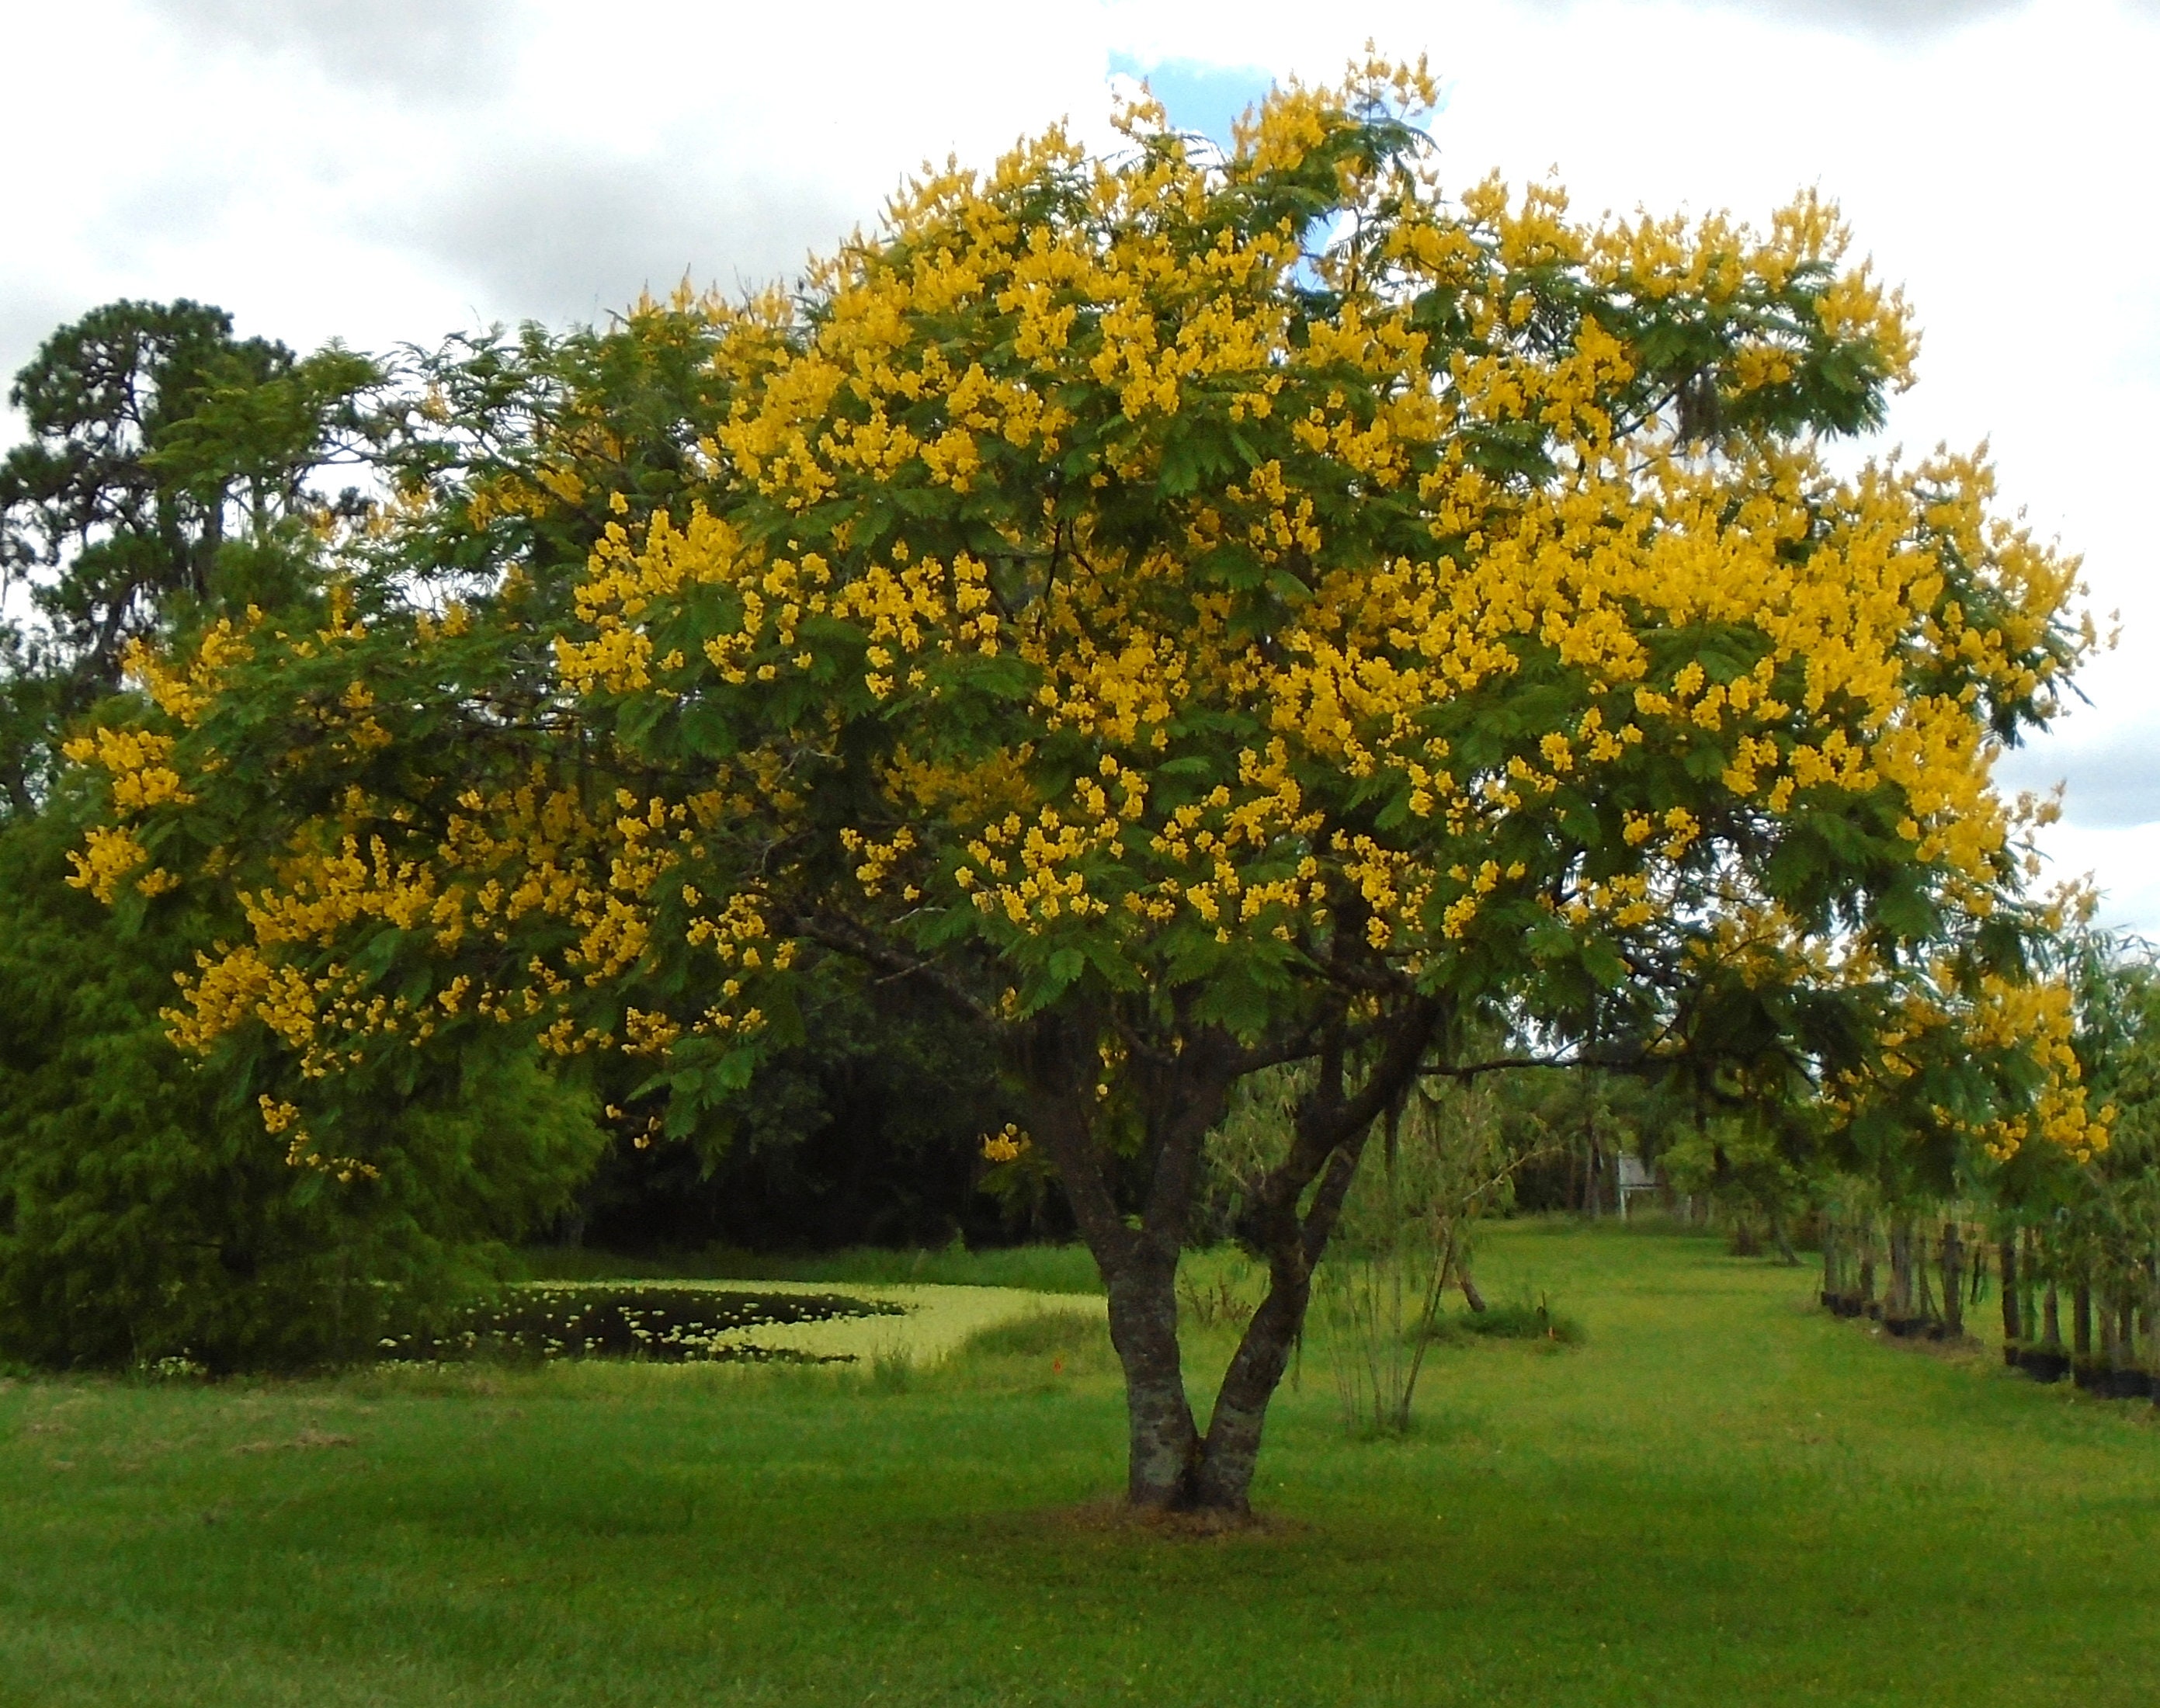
(418, 49)
(1888, 19)
(2123, 860)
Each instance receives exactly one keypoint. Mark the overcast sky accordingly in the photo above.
(388, 170)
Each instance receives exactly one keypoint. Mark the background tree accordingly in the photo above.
(1574, 1123)
(168, 475)
(172, 482)
(1190, 615)
(2100, 1219)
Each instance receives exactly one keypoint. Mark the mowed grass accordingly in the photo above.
(1721, 1497)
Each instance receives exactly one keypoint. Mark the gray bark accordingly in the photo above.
(1171, 1465)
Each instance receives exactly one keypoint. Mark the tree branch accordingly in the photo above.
(845, 936)
(1642, 1063)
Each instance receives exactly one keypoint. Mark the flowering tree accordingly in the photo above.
(1190, 614)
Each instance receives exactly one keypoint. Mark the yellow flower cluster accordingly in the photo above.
(109, 856)
(185, 695)
(141, 778)
(279, 1117)
(1006, 1145)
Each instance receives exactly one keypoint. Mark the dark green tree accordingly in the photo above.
(171, 470)
(142, 1215)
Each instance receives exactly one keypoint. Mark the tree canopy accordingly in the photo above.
(1190, 613)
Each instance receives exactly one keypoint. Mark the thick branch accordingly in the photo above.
(1060, 1118)
(1186, 1100)
(1641, 1063)
(845, 936)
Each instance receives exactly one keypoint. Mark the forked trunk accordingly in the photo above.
(1182, 1093)
(1170, 1466)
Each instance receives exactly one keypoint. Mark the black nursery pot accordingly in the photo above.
(2126, 1384)
(2043, 1364)
(1905, 1327)
(2088, 1376)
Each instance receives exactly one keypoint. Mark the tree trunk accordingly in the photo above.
(2029, 1285)
(2081, 1320)
(1163, 1443)
(1182, 1094)
(2014, 1326)
(1231, 1450)
(1897, 1303)
(2113, 1340)
(1953, 1280)
(1924, 1288)
(1139, 1264)
(2152, 1328)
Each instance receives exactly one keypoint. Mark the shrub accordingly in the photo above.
(1525, 1319)
(144, 1214)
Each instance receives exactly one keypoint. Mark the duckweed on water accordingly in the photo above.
(656, 1322)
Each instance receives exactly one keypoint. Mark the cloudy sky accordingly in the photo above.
(387, 171)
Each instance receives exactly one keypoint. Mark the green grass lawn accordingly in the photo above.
(1045, 1269)
(1722, 1497)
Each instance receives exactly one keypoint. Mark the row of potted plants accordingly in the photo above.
(1931, 1277)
